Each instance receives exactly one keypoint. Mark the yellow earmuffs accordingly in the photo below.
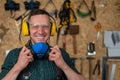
(25, 28)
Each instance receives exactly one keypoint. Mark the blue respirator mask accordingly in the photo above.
(39, 50)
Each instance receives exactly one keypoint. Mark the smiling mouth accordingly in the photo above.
(39, 36)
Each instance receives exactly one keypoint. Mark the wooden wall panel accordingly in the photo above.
(109, 17)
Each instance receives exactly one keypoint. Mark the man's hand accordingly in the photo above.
(56, 56)
(25, 57)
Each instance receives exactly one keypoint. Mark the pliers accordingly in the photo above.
(97, 66)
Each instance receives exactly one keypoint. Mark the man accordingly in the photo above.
(20, 63)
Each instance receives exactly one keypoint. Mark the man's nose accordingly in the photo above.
(40, 29)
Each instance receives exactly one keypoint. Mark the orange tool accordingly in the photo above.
(98, 28)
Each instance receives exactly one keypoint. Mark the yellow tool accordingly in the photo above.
(69, 5)
(53, 28)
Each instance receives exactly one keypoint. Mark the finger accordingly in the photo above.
(51, 58)
(26, 51)
(30, 58)
(57, 48)
(54, 51)
(23, 49)
(52, 54)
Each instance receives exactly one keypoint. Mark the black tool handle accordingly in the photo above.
(93, 11)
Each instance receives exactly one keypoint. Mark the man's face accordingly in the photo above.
(39, 28)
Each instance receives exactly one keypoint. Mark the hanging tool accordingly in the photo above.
(55, 12)
(104, 69)
(98, 28)
(97, 66)
(66, 16)
(113, 71)
(63, 39)
(74, 30)
(93, 11)
(81, 13)
(91, 48)
(90, 66)
(115, 37)
(31, 5)
(12, 6)
(81, 69)
(25, 14)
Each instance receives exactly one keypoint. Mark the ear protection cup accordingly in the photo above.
(26, 32)
(25, 28)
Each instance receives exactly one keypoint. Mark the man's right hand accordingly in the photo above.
(25, 57)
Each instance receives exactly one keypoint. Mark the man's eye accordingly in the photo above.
(45, 26)
(37, 26)
(42, 26)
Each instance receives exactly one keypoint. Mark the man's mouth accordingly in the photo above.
(40, 37)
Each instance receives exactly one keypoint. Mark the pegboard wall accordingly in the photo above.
(107, 14)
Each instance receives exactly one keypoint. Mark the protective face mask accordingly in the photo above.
(41, 49)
